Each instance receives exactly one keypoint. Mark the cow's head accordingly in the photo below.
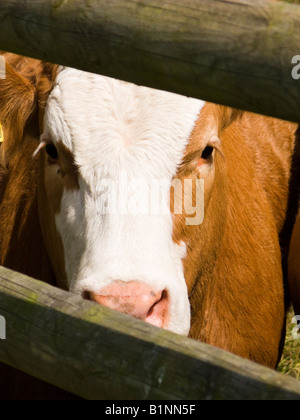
(121, 202)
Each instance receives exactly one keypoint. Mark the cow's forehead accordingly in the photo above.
(105, 120)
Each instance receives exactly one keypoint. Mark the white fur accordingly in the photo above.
(112, 127)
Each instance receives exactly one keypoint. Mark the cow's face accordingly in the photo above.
(113, 152)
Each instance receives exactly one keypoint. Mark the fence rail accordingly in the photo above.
(96, 353)
(237, 53)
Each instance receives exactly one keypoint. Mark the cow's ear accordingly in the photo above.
(17, 105)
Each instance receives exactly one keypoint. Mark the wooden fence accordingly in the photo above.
(237, 53)
(97, 353)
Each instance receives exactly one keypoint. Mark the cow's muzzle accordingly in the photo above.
(135, 299)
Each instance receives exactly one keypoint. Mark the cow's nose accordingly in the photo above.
(135, 299)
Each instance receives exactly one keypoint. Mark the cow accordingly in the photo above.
(68, 135)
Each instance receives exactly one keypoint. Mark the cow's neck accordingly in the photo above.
(22, 247)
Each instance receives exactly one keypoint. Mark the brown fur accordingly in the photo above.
(21, 94)
(22, 246)
(233, 268)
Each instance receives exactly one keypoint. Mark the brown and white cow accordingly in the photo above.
(220, 281)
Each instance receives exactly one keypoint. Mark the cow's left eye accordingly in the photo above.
(51, 151)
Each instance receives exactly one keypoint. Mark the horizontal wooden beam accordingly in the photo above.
(96, 353)
(237, 53)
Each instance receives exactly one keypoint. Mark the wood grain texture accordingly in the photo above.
(97, 353)
(238, 53)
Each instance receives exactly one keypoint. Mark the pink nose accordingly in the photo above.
(135, 299)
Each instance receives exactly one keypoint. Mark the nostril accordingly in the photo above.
(86, 295)
(151, 310)
(135, 299)
(158, 314)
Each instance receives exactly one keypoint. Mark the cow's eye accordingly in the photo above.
(51, 151)
(207, 152)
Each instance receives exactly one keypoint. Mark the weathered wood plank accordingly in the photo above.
(238, 53)
(97, 353)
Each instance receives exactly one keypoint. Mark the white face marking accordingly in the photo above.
(113, 127)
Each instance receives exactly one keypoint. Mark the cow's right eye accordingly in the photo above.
(51, 151)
